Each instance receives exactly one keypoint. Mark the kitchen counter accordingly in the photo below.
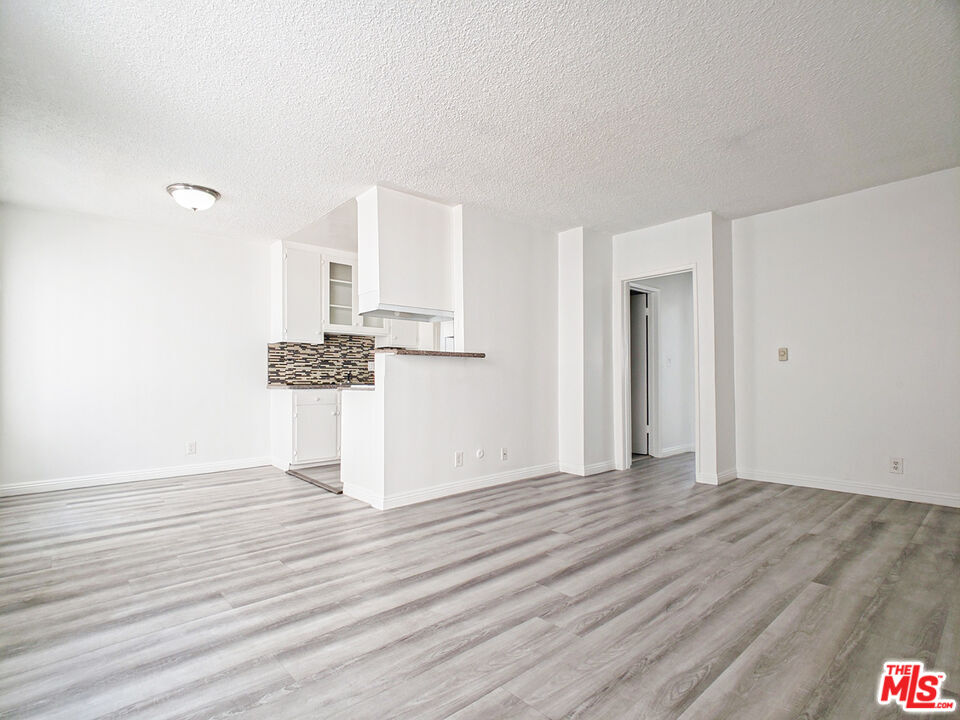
(431, 353)
(308, 386)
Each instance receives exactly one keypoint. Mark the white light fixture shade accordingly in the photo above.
(193, 197)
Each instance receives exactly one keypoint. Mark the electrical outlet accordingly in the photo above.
(192, 447)
(896, 465)
(479, 453)
(503, 454)
(783, 354)
(458, 458)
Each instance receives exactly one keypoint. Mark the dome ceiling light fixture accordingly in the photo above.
(193, 197)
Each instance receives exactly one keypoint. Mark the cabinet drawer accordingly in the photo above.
(315, 397)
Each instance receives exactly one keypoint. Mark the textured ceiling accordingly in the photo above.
(610, 114)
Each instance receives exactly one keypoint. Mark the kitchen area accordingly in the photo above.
(373, 276)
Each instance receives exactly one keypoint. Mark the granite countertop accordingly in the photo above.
(310, 386)
(431, 353)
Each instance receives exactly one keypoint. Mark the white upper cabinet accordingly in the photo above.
(341, 282)
(297, 290)
(340, 308)
(405, 248)
(403, 333)
(314, 291)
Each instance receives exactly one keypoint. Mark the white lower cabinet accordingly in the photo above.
(305, 427)
(316, 423)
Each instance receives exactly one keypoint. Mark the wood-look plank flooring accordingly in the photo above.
(633, 594)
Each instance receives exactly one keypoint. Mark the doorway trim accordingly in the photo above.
(623, 420)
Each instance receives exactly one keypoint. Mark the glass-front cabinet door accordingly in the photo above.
(340, 303)
(340, 306)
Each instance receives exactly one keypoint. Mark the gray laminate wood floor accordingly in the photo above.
(633, 594)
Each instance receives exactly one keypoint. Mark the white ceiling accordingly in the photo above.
(609, 114)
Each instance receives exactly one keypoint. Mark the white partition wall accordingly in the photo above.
(430, 408)
(570, 359)
(584, 341)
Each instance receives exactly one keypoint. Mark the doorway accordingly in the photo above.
(662, 366)
(640, 371)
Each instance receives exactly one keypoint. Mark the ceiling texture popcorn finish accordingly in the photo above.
(610, 114)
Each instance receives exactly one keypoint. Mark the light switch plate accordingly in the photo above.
(783, 354)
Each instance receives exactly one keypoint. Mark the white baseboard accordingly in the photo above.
(83, 481)
(591, 469)
(673, 450)
(604, 466)
(727, 476)
(358, 492)
(385, 502)
(719, 478)
(848, 486)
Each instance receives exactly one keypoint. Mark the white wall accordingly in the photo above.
(570, 357)
(433, 406)
(723, 347)
(864, 290)
(361, 440)
(676, 366)
(597, 344)
(583, 313)
(119, 343)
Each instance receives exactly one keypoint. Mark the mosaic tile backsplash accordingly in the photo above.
(341, 360)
